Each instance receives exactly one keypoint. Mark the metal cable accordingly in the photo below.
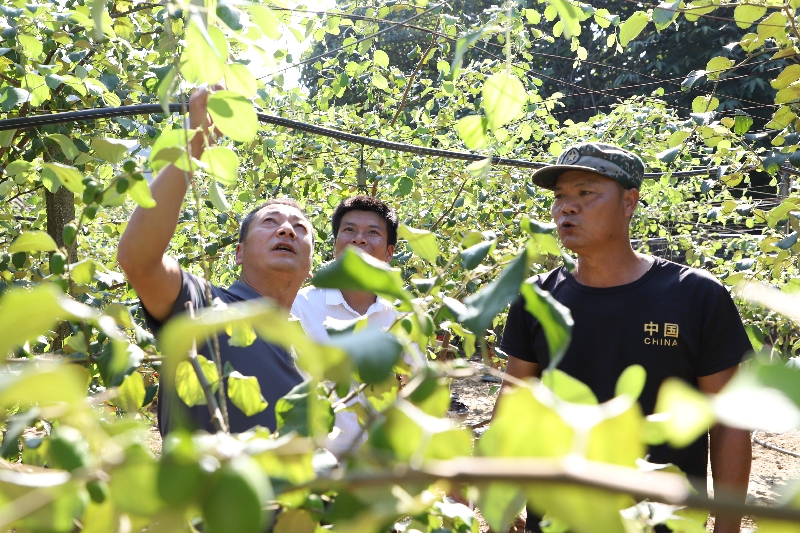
(32, 121)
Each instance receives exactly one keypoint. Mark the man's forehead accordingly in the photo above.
(358, 216)
(574, 178)
(282, 209)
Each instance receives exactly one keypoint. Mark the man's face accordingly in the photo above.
(591, 210)
(279, 239)
(366, 230)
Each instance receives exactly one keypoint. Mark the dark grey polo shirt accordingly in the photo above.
(273, 367)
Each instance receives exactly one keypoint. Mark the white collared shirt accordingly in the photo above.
(316, 308)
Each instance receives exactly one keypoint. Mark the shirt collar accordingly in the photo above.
(335, 297)
(243, 291)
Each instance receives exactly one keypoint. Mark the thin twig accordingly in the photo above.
(350, 395)
(775, 448)
(422, 61)
(211, 400)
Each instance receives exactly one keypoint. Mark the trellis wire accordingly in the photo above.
(31, 121)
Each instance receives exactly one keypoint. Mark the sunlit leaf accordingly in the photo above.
(355, 270)
(234, 115)
(70, 177)
(33, 241)
(245, 393)
(422, 242)
(555, 319)
(503, 98)
(632, 27)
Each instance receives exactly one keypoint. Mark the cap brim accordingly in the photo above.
(546, 177)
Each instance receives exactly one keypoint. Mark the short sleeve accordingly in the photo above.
(192, 290)
(724, 342)
(517, 335)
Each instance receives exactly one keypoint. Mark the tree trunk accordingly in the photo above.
(60, 208)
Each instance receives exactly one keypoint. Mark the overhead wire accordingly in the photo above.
(31, 121)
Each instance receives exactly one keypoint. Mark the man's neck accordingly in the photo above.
(279, 287)
(359, 301)
(611, 268)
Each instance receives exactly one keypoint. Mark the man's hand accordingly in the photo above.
(200, 121)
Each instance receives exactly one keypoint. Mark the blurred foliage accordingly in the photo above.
(82, 372)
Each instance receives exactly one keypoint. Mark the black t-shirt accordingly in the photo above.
(674, 321)
(273, 367)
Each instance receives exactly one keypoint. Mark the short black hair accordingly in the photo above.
(245, 226)
(367, 203)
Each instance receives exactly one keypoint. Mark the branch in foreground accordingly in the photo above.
(572, 470)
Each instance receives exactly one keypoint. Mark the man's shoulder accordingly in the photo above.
(687, 276)
(310, 296)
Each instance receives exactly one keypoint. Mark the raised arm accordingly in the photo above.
(155, 276)
(731, 455)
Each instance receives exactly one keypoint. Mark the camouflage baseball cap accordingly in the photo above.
(607, 160)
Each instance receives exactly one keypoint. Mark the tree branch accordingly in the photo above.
(414, 74)
(211, 400)
(572, 470)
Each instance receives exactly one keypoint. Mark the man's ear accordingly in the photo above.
(630, 199)
(239, 254)
(389, 253)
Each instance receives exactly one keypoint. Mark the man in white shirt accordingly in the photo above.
(369, 224)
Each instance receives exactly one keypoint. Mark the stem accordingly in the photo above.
(213, 407)
(350, 395)
(414, 74)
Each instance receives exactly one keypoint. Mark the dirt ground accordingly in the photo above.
(771, 475)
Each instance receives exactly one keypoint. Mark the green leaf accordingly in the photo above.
(422, 242)
(139, 191)
(555, 319)
(503, 98)
(665, 13)
(717, 65)
(687, 413)
(188, 386)
(746, 14)
(165, 89)
(218, 198)
(668, 156)
(33, 241)
(266, 19)
(480, 169)
(131, 393)
(568, 388)
(787, 242)
(787, 76)
(169, 148)
(31, 45)
(631, 381)
(245, 393)
(356, 270)
(38, 89)
(223, 164)
(68, 148)
(234, 115)
(568, 14)
(462, 45)
(134, 484)
(239, 79)
(742, 124)
(762, 395)
(500, 503)
(380, 58)
(380, 82)
(481, 307)
(206, 52)
(50, 384)
(472, 256)
(70, 177)
(374, 352)
(472, 130)
(302, 410)
(111, 150)
(631, 28)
